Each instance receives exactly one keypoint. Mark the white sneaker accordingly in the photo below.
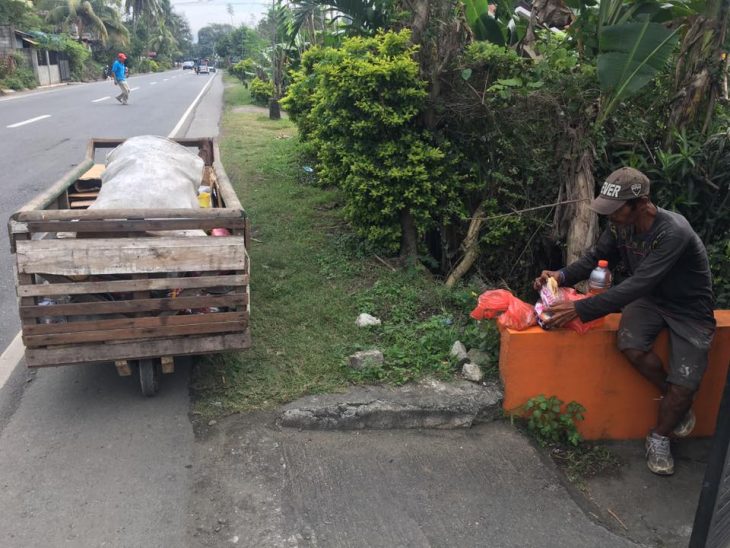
(686, 425)
(658, 455)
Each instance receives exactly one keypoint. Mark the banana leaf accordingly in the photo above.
(630, 56)
(482, 24)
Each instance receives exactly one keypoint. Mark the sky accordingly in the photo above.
(201, 13)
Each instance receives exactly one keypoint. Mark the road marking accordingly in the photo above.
(152, 83)
(190, 109)
(102, 99)
(166, 79)
(10, 358)
(133, 89)
(29, 121)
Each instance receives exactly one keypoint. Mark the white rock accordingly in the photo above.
(366, 358)
(365, 320)
(458, 351)
(472, 372)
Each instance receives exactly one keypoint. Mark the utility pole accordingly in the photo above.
(274, 108)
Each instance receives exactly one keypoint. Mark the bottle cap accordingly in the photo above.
(603, 263)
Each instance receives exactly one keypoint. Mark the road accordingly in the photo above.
(84, 459)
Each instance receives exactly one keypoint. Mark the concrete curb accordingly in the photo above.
(427, 404)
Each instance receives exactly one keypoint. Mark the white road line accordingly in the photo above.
(133, 89)
(29, 121)
(152, 83)
(10, 358)
(102, 99)
(165, 79)
(190, 109)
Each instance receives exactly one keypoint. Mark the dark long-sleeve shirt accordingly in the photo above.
(667, 264)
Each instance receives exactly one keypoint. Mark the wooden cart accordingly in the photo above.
(94, 286)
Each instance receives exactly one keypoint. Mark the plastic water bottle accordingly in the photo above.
(600, 279)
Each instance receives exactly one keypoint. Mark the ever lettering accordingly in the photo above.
(610, 190)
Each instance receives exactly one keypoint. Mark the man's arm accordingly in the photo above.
(667, 249)
(605, 248)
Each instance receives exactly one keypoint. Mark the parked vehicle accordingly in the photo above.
(95, 286)
(188, 65)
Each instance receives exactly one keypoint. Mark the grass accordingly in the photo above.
(310, 278)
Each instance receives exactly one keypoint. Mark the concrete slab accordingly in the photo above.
(258, 485)
(426, 404)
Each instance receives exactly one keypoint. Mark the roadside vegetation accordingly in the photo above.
(311, 277)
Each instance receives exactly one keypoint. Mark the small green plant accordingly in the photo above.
(549, 422)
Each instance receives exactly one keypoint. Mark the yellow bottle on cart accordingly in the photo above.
(204, 199)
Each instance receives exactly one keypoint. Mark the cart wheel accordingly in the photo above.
(149, 377)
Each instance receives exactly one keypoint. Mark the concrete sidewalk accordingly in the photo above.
(260, 485)
(357, 469)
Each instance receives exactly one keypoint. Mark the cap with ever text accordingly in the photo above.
(623, 184)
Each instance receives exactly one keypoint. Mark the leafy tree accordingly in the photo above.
(358, 108)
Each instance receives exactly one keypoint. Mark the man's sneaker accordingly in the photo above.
(658, 456)
(119, 99)
(686, 425)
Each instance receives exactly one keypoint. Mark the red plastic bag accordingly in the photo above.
(570, 294)
(514, 313)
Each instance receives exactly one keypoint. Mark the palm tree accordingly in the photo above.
(143, 8)
(78, 15)
(357, 16)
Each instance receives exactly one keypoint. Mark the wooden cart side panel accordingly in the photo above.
(123, 286)
(136, 333)
(131, 350)
(133, 306)
(129, 255)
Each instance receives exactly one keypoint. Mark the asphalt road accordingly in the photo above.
(85, 460)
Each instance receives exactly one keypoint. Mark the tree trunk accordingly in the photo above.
(470, 245)
(699, 72)
(274, 109)
(581, 220)
(409, 236)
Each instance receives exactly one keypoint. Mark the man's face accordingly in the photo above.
(625, 215)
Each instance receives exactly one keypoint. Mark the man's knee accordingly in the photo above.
(635, 356)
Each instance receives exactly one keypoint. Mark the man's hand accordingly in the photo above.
(561, 313)
(543, 278)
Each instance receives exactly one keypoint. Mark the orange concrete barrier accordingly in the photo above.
(589, 369)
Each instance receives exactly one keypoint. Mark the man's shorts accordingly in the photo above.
(689, 339)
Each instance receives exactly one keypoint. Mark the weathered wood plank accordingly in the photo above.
(133, 333)
(129, 255)
(128, 323)
(124, 286)
(112, 226)
(132, 306)
(43, 200)
(133, 350)
(129, 213)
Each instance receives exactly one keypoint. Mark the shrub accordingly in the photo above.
(358, 110)
(261, 91)
(147, 65)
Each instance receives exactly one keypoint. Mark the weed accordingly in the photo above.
(550, 423)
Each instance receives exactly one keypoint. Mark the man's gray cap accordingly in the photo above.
(623, 184)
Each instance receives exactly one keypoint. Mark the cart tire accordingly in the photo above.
(149, 377)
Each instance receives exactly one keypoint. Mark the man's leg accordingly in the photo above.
(675, 404)
(649, 365)
(640, 324)
(125, 91)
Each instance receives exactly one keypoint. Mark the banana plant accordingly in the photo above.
(630, 55)
(492, 26)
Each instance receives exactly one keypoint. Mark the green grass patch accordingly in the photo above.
(310, 278)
